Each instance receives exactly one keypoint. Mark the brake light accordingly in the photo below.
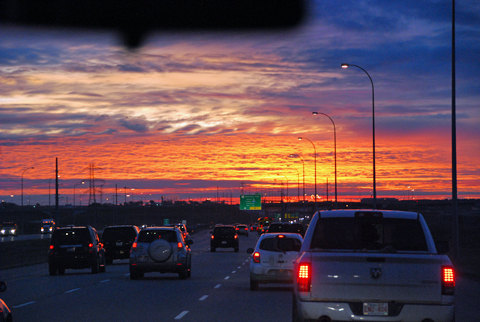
(281, 236)
(304, 277)
(51, 247)
(213, 237)
(256, 257)
(448, 280)
(179, 246)
(90, 245)
(134, 245)
(236, 236)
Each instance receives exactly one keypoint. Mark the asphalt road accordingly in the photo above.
(217, 291)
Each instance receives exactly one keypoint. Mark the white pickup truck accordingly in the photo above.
(371, 265)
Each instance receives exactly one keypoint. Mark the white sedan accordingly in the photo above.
(273, 257)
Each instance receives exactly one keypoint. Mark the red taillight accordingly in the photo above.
(236, 236)
(213, 237)
(448, 280)
(134, 245)
(179, 246)
(90, 245)
(304, 277)
(256, 257)
(51, 247)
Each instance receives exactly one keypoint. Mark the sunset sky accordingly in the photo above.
(188, 115)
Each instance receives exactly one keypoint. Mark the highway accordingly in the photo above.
(217, 291)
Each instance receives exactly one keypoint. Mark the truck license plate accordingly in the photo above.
(375, 308)
(224, 242)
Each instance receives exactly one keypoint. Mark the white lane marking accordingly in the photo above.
(218, 285)
(104, 281)
(239, 267)
(233, 272)
(203, 298)
(181, 315)
(227, 277)
(127, 274)
(74, 290)
(24, 304)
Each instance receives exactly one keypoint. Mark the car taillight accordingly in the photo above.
(213, 237)
(134, 245)
(304, 277)
(51, 247)
(179, 246)
(448, 280)
(90, 245)
(236, 236)
(256, 257)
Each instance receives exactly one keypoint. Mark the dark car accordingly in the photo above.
(117, 241)
(9, 229)
(224, 236)
(286, 228)
(77, 248)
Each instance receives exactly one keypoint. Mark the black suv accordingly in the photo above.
(118, 241)
(75, 247)
(224, 236)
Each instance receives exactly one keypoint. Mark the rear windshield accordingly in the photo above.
(148, 236)
(119, 233)
(224, 231)
(71, 237)
(280, 244)
(369, 234)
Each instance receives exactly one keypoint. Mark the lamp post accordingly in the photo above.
(22, 181)
(334, 152)
(22, 195)
(78, 183)
(373, 122)
(315, 155)
(298, 183)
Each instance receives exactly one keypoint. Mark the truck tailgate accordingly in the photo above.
(377, 277)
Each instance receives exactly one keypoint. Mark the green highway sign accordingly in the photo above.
(251, 202)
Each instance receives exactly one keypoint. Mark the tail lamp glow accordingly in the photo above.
(304, 277)
(256, 257)
(448, 280)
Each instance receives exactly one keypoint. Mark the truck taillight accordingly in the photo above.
(134, 246)
(448, 280)
(304, 277)
(256, 257)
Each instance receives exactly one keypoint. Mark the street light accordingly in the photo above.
(22, 196)
(298, 183)
(78, 183)
(298, 156)
(22, 181)
(373, 122)
(335, 151)
(315, 154)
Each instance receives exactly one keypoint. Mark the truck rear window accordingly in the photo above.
(369, 234)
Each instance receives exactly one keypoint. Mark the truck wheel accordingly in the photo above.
(52, 270)
(253, 285)
(295, 315)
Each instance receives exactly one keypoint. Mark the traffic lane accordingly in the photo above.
(112, 295)
(25, 237)
(467, 300)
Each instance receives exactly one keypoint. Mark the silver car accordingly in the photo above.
(273, 257)
(160, 249)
